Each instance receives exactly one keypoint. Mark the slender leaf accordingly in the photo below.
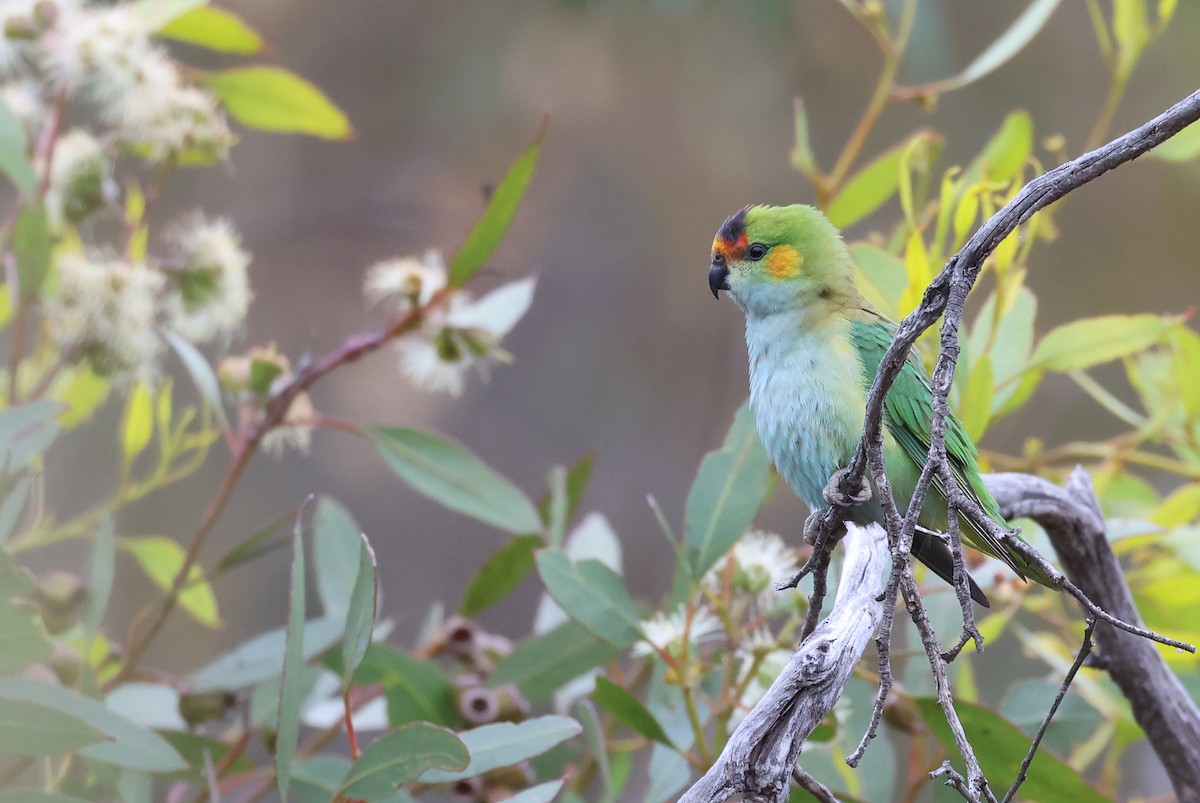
(506, 743)
(629, 711)
(275, 99)
(14, 505)
(868, 189)
(290, 691)
(543, 664)
(881, 277)
(23, 639)
(337, 544)
(400, 757)
(591, 594)
(1007, 45)
(128, 745)
(202, 375)
(31, 242)
(1092, 341)
(14, 158)
(360, 614)
(1000, 747)
(213, 28)
(100, 577)
(542, 793)
(500, 575)
(29, 729)
(27, 430)
(447, 473)
(262, 542)
(137, 425)
(161, 559)
(975, 411)
(803, 158)
(83, 394)
(487, 233)
(1007, 150)
(260, 658)
(728, 490)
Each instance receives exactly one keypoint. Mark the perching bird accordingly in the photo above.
(814, 345)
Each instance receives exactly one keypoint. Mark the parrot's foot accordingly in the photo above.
(834, 496)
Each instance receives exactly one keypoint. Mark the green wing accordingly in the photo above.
(908, 412)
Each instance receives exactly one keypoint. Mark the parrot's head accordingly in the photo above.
(776, 258)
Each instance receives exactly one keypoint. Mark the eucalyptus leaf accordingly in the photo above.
(402, 756)
(591, 594)
(290, 689)
(543, 664)
(276, 99)
(360, 615)
(505, 743)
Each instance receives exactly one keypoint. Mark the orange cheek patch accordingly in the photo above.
(784, 262)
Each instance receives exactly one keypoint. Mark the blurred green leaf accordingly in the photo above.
(316, 779)
(500, 575)
(591, 594)
(28, 729)
(157, 13)
(31, 243)
(202, 375)
(14, 505)
(506, 743)
(578, 477)
(14, 158)
(192, 747)
(27, 430)
(1131, 30)
(1007, 341)
(415, 690)
(541, 665)
(213, 28)
(803, 158)
(1092, 341)
(542, 793)
(128, 745)
(628, 710)
(1181, 507)
(100, 576)
(23, 639)
(1000, 747)
(360, 616)
(400, 757)
(585, 713)
(447, 473)
(975, 411)
(726, 494)
(1007, 150)
(161, 559)
(290, 689)
(1025, 705)
(881, 277)
(38, 797)
(137, 424)
(337, 544)
(1185, 359)
(868, 189)
(1183, 147)
(257, 544)
(275, 99)
(487, 233)
(83, 393)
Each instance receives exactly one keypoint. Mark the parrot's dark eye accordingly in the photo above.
(756, 251)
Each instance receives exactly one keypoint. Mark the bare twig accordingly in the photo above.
(1084, 651)
(814, 787)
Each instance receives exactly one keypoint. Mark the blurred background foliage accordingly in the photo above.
(665, 116)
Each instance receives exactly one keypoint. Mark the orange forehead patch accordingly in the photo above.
(784, 262)
(732, 250)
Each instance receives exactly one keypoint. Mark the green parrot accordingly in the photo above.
(814, 345)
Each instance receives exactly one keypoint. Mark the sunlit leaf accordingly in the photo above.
(161, 559)
(447, 473)
(137, 425)
(157, 13)
(213, 28)
(591, 594)
(487, 233)
(868, 189)
(275, 99)
(919, 271)
(803, 158)
(506, 743)
(1007, 150)
(83, 393)
(1131, 30)
(400, 757)
(1181, 507)
(1092, 341)
(975, 410)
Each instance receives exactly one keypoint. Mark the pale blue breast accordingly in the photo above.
(806, 390)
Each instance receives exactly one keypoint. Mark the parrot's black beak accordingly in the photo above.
(718, 277)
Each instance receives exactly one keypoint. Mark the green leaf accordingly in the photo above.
(337, 543)
(628, 710)
(542, 793)
(26, 431)
(868, 189)
(83, 394)
(129, 746)
(541, 665)
(315, 780)
(447, 473)
(1007, 45)
(31, 243)
(1007, 150)
(38, 797)
(14, 505)
(14, 158)
(161, 559)
(975, 410)
(502, 206)
(23, 639)
(882, 277)
(156, 14)
(137, 425)
(215, 29)
(415, 690)
(192, 746)
(262, 542)
(28, 729)
(500, 575)
(202, 375)
(1000, 747)
(1183, 147)
(290, 690)
(100, 577)
(260, 658)
(1181, 507)
(275, 99)
(727, 493)
(507, 743)
(591, 594)
(360, 616)
(1131, 29)
(1092, 341)
(803, 158)
(400, 757)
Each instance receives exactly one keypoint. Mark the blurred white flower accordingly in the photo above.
(182, 120)
(464, 334)
(78, 170)
(18, 27)
(24, 99)
(295, 432)
(758, 559)
(770, 667)
(669, 631)
(211, 291)
(106, 309)
(399, 283)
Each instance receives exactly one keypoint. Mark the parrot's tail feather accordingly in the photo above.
(936, 554)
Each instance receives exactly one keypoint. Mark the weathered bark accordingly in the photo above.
(1071, 517)
(756, 764)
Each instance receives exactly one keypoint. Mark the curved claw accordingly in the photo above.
(834, 496)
